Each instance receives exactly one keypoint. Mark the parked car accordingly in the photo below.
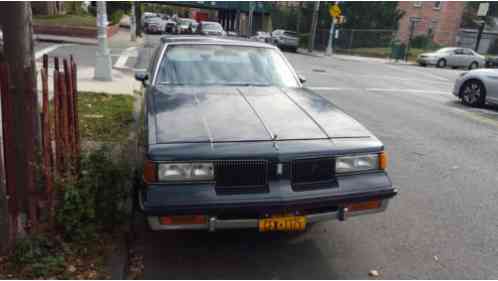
(285, 39)
(186, 25)
(476, 87)
(262, 36)
(453, 57)
(233, 140)
(492, 61)
(146, 16)
(170, 27)
(155, 25)
(211, 28)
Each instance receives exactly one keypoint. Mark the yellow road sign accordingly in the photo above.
(335, 11)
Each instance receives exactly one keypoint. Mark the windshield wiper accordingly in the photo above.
(172, 84)
(249, 84)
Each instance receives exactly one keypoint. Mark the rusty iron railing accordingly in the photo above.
(60, 144)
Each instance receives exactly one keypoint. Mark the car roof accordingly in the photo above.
(201, 39)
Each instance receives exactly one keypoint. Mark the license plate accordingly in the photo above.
(297, 223)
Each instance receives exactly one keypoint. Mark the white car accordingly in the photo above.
(453, 57)
(285, 39)
(476, 87)
(262, 36)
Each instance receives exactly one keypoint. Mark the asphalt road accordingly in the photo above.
(443, 224)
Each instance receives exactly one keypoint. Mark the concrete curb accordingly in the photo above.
(64, 39)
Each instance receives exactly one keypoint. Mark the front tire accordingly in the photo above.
(474, 65)
(441, 63)
(473, 93)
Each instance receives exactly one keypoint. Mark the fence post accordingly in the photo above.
(351, 41)
(69, 114)
(13, 208)
(76, 118)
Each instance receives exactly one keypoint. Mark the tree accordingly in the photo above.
(371, 15)
(470, 19)
(16, 20)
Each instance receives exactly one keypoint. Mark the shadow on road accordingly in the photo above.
(241, 254)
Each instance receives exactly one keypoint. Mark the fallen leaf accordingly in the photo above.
(373, 273)
(436, 258)
(71, 268)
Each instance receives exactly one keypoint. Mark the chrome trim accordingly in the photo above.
(214, 223)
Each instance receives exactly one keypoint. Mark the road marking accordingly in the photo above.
(406, 91)
(379, 90)
(47, 50)
(331, 88)
(123, 58)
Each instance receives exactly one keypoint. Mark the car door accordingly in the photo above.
(469, 57)
(457, 58)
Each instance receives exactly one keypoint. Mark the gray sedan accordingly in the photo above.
(453, 57)
(477, 87)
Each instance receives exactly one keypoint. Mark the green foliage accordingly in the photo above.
(41, 253)
(424, 42)
(116, 16)
(158, 8)
(371, 15)
(97, 200)
(105, 117)
(69, 20)
(304, 39)
(74, 8)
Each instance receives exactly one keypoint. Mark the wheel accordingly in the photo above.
(441, 63)
(473, 93)
(474, 65)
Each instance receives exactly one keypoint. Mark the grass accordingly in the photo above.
(67, 20)
(103, 117)
(47, 256)
(383, 52)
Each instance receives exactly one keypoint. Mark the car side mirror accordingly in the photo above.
(302, 79)
(141, 76)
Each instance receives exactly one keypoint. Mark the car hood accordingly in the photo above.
(230, 114)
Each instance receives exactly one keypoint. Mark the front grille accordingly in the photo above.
(241, 176)
(313, 174)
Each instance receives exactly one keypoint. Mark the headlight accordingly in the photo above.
(358, 163)
(196, 171)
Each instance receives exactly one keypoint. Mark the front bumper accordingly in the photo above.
(457, 86)
(426, 60)
(244, 210)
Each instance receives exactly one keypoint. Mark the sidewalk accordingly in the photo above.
(119, 40)
(353, 57)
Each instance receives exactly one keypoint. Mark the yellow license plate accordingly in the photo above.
(297, 223)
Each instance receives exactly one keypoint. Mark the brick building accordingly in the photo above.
(439, 19)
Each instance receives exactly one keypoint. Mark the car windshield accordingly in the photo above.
(445, 50)
(212, 26)
(224, 65)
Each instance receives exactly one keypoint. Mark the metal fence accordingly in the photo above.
(60, 145)
(370, 42)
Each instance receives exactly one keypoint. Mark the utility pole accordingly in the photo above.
(334, 16)
(314, 23)
(133, 24)
(479, 35)
(20, 123)
(250, 24)
(103, 66)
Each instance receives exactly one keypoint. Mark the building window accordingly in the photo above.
(417, 3)
(437, 5)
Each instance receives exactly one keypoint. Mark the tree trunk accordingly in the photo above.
(24, 138)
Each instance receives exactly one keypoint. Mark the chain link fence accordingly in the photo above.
(365, 42)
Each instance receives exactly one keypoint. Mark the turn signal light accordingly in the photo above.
(172, 220)
(361, 206)
(383, 160)
(150, 172)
